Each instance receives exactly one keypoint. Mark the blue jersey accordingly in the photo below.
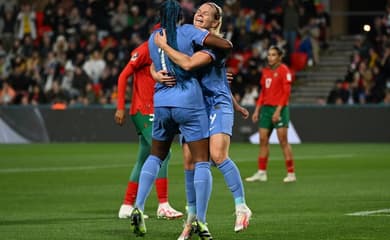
(188, 94)
(214, 84)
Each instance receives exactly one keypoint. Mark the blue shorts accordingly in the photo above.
(193, 124)
(221, 120)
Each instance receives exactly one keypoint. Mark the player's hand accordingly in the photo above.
(276, 117)
(255, 117)
(160, 39)
(120, 117)
(229, 77)
(165, 78)
(244, 112)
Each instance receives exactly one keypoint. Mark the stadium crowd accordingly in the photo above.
(70, 52)
(368, 76)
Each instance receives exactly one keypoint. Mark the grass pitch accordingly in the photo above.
(73, 191)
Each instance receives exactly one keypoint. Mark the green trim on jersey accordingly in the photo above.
(266, 113)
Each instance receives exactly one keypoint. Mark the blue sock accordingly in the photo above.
(190, 191)
(233, 180)
(147, 177)
(203, 184)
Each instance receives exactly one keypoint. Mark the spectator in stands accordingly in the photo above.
(79, 83)
(37, 96)
(290, 23)
(7, 94)
(94, 66)
(60, 49)
(323, 22)
(119, 20)
(49, 12)
(338, 95)
(8, 29)
(26, 22)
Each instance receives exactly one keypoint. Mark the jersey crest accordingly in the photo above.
(134, 57)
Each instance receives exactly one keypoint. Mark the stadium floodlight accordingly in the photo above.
(367, 27)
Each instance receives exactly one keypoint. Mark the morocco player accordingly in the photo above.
(272, 112)
(141, 113)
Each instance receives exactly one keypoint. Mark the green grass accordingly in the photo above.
(73, 191)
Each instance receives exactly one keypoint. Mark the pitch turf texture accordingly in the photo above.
(73, 191)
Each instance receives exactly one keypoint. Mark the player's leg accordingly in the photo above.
(265, 128)
(194, 126)
(163, 134)
(219, 148)
(262, 161)
(287, 153)
(282, 130)
(159, 151)
(164, 209)
(143, 126)
(189, 172)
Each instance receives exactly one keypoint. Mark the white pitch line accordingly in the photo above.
(370, 213)
(59, 169)
(81, 168)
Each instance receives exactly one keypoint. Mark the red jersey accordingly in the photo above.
(275, 86)
(143, 83)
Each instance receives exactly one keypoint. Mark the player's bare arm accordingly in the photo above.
(162, 76)
(186, 62)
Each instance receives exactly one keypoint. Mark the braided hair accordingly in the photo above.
(170, 15)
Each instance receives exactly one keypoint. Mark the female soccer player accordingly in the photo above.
(178, 108)
(219, 103)
(141, 113)
(272, 112)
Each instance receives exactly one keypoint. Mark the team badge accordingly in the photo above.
(134, 56)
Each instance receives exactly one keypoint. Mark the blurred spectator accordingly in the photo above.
(119, 20)
(7, 94)
(8, 28)
(94, 66)
(49, 12)
(250, 96)
(79, 83)
(290, 23)
(60, 49)
(56, 94)
(26, 22)
(37, 96)
(338, 95)
(323, 22)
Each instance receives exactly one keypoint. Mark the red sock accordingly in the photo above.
(262, 163)
(131, 193)
(290, 166)
(162, 189)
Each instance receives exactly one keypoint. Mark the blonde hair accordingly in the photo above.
(218, 17)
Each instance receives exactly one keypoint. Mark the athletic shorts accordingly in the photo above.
(266, 113)
(143, 125)
(192, 124)
(221, 120)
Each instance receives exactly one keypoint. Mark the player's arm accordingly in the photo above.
(120, 114)
(214, 41)
(162, 76)
(244, 112)
(259, 102)
(286, 78)
(186, 62)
